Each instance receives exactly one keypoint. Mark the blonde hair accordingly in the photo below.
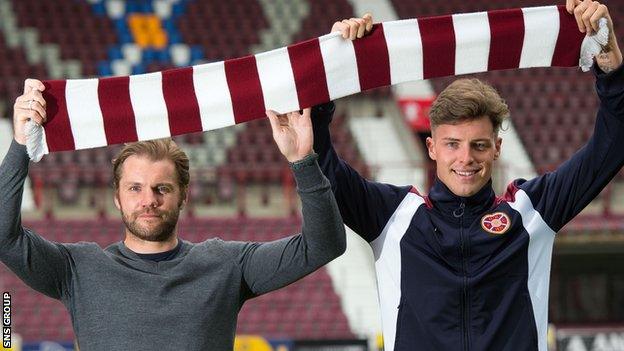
(155, 150)
(466, 99)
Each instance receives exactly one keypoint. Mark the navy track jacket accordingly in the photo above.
(472, 273)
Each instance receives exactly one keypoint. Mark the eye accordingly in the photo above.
(452, 144)
(135, 188)
(481, 146)
(163, 189)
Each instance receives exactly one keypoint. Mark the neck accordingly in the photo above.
(149, 247)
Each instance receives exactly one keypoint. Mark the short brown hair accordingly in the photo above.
(155, 150)
(468, 99)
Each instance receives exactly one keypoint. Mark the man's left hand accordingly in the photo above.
(587, 14)
(292, 133)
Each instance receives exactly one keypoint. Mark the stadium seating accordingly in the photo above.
(257, 158)
(216, 27)
(322, 15)
(71, 25)
(12, 82)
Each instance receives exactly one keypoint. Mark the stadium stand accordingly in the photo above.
(80, 38)
(72, 27)
(322, 15)
(216, 27)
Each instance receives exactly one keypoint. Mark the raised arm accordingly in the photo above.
(365, 206)
(562, 194)
(269, 266)
(41, 264)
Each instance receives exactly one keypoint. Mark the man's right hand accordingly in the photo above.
(354, 28)
(29, 106)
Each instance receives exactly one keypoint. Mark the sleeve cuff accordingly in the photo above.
(609, 83)
(18, 150)
(307, 173)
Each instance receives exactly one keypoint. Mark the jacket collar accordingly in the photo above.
(447, 202)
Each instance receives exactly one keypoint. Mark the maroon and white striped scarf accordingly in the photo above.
(87, 113)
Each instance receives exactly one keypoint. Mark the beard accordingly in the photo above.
(158, 233)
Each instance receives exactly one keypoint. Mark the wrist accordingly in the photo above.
(20, 140)
(298, 157)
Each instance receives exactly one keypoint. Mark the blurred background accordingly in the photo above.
(241, 188)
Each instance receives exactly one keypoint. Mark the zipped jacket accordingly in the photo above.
(472, 273)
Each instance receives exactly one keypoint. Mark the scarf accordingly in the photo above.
(88, 113)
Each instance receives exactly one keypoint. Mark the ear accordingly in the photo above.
(430, 148)
(497, 146)
(185, 199)
(116, 200)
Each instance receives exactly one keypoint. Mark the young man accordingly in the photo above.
(461, 269)
(154, 291)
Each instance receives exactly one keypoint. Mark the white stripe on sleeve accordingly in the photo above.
(539, 256)
(387, 251)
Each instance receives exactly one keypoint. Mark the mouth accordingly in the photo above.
(466, 173)
(149, 216)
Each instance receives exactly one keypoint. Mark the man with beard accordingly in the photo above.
(155, 291)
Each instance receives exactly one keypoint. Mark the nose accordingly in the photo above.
(465, 155)
(150, 199)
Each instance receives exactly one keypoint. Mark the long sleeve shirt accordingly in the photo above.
(118, 301)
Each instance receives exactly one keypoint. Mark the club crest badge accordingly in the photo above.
(496, 223)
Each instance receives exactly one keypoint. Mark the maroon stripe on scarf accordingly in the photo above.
(245, 89)
(506, 38)
(568, 47)
(372, 58)
(182, 105)
(117, 112)
(438, 40)
(58, 131)
(306, 61)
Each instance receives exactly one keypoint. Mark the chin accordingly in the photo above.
(465, 192)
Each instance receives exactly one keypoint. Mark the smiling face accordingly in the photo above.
(149, 198)
(464, 154)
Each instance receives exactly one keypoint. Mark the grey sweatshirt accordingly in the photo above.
(118, 301)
